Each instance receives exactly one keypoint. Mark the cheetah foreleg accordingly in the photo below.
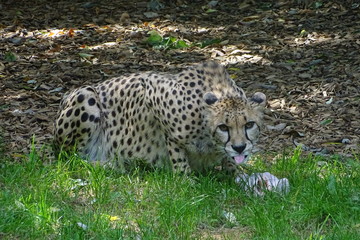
(178, 158)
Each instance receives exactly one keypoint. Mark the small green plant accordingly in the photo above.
(165, 43)
(170, 42)
(303, 33)
(10, 57)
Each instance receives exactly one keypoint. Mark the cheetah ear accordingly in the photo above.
(210, 98)
(258, 99)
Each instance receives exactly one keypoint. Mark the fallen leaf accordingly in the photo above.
(326, 122)
(71, 32)
(278, 127)
(85, 55)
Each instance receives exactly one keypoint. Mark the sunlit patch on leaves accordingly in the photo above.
(71, 32)
(55, 33)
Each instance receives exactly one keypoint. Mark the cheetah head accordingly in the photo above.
(235, 123)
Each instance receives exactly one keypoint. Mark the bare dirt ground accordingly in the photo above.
(304, 57)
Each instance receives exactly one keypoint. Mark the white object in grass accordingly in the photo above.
(230, 217)
(81, 225)
(259, 183)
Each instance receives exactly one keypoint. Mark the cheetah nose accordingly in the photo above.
(239, 148)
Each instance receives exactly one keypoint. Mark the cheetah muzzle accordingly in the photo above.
(193, 120)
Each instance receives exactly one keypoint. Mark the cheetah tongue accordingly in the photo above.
(239, 159)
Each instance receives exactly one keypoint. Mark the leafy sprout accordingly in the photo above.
(164, 43)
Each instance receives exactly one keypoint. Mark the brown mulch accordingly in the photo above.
(304, 57)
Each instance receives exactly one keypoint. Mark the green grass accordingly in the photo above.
(71, 199)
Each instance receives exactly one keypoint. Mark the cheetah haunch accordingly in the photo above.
(195, 119)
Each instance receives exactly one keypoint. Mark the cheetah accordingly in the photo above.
(190, 121)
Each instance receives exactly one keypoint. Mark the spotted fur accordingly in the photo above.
(192, 120)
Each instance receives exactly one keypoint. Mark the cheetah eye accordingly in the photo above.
(249, 125)
(223, 128)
